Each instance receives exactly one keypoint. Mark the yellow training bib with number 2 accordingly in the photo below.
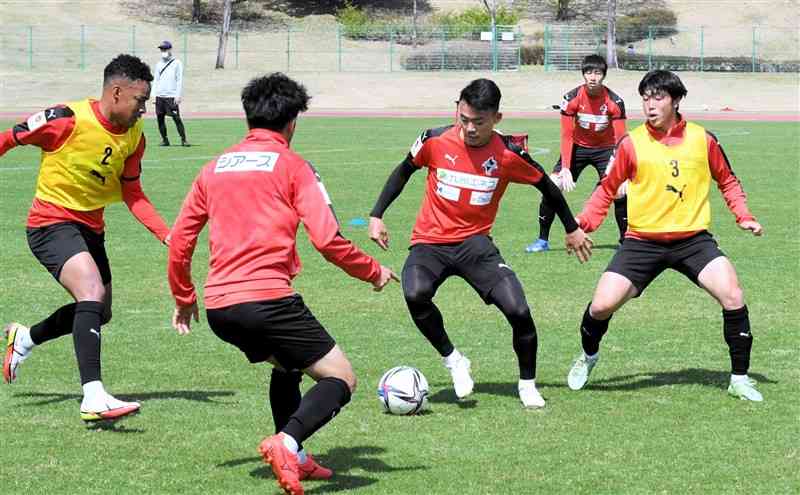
(670, 190)
(84, 173)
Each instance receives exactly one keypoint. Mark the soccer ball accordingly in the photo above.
(403, 391)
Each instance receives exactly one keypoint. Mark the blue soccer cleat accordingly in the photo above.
(538, 246)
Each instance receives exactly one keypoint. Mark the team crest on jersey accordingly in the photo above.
(604, 109)
(489, 166)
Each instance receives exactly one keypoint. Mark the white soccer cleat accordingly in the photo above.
(745, 390)
(529, 395)
(462, 381)
(106, 407)
(580, 371)
(15, 354)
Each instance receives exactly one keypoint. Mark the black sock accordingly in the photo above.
(54, 326)
(284, 396)
(736, 329)
(509, 297)
(621, 215)
(320, 404)
(428, 319)
(546, 217)
(86, 337)
(526, 344)
(592, 332)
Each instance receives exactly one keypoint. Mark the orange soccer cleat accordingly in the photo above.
(283, 462)
(310, 470)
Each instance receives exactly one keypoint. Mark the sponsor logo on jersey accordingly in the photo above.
(468, 181)
(36, 121)
(246, 161)
(489, 166)
(480, 198)
(448, 192)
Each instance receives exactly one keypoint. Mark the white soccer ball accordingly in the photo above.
(403, 390)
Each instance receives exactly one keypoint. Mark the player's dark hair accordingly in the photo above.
(662, 81)
(129, 67)
(481, 94)
(272, 101)
(594, 62)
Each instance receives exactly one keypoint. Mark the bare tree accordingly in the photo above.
(414, 25)
(196, 11)
(562, 9)
(611, 35)
(223, 34)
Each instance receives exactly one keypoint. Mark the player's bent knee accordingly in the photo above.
(733, 298)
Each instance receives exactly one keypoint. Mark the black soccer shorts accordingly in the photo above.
(281, 328)
(642, 261)
(167, 106)
(54, 244)
(583, 157)
(476, 259)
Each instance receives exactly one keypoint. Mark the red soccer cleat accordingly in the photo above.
(283, 462)
(310, 470)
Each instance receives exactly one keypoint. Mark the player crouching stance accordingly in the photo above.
(670, 163)
(254, 196)
(469, 168)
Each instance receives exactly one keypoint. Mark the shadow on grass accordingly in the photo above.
(193, 395)
(341, 460)
(606, 247)
(112, 426)
(686, 376)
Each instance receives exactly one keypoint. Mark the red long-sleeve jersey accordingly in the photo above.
(623, 167)
(254, 196)
(590, 121)
(50, 136)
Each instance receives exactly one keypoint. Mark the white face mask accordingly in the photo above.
(165, 55)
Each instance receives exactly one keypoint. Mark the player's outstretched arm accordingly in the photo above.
(752, 226)
(182, 318)
(386, 276)
(580, 244)
(378, 233)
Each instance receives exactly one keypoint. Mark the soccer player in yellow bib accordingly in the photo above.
(91, 157)
(669, 164)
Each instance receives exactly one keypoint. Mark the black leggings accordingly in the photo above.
(419, 288)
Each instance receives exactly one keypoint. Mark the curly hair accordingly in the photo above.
(129, 67)
(272, 101)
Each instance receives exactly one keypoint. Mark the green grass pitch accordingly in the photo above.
(654, 419)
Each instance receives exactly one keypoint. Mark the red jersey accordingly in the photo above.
(590, 121)
(254, 196)
(50, 133)
(623, 167)
(465, 184)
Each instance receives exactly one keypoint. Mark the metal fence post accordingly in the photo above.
(236, 47)
(566, 52)
(443, 50)
(391, 48)
(339, 45)
(494, 48)
(288, 47)
(754, 48)
(547, 47)
(185, 48)
(649, 47)
(133, 39)
(702, 48)
(83, 47)
(30, 47)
